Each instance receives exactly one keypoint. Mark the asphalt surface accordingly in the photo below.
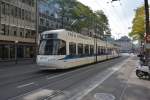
(122, 85)
(25, 81)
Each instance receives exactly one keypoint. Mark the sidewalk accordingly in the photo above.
(122, 85)
(19, 62)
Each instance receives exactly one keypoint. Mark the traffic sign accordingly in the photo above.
(147, 38)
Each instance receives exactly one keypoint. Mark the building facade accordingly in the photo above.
(50, 16)
(17, 29)
(125, 44)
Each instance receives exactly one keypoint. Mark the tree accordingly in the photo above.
(138, 28)
(83, 15)
(103, 22)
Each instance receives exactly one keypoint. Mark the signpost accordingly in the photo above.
(147, 40)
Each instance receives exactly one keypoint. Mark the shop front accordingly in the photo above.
(9, 51)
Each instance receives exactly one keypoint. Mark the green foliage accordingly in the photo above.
(103, 21)
(85, 17)
(138, 27)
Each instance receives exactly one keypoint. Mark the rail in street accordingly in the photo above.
(67, 81)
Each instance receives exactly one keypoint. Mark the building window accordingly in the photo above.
(47, 23)
(2, 29)
(7, 11)
(19, 13)
(15, 11)
(41, 21)
(72, 48)
(15, 33)
(23, 14)
(33, 34)
(21, 34)
(6, 30)
(3, 8)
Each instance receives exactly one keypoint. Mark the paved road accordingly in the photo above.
(27, 81)
(122, 85)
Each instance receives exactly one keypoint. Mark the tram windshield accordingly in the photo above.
(52, 47)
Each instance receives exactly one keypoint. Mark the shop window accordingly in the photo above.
(12, 52)
(4, 52)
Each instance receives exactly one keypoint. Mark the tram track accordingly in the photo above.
(72, 77)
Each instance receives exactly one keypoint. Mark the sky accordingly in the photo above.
(120, 13)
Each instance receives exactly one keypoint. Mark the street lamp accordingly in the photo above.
(95, 42)
(16, 42)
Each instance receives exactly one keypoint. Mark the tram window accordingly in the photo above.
(99, 50)
(86, 49)
(80, 49)
(91, 49)
(52, 47)
(102, 50)
(106, 50)
(72, 48)
(62, 48)
(47, 36)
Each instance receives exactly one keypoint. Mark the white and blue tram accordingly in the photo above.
(62, 49)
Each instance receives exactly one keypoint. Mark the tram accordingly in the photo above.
(62, 49)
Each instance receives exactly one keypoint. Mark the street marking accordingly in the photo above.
(24, 85)
(57, 76)
(69, 72)
(86, 91)
(14, 98)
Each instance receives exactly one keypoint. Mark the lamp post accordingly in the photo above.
(147, 30)
(95, 42)
(16, 59)
(37, 29)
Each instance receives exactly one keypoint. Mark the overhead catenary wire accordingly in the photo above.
(115, 22)
(125, 23)
(107, 14)
(119, 18)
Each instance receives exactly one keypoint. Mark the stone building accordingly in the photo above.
(125, 44)
(17, 29)
(48, 16)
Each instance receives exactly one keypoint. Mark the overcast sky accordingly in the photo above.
(119, 13)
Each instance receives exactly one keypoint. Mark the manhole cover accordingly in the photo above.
(104, 96)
